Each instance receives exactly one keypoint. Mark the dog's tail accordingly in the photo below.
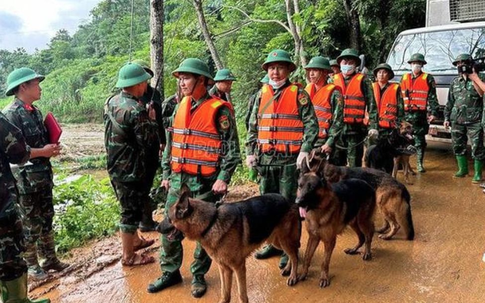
(408, 225)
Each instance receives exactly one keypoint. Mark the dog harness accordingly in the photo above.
(354, 100)
(386, 104)
(280, 127)
(415, 92)
(322, 105)
(196, 144)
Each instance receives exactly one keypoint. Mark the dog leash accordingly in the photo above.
(346, 148)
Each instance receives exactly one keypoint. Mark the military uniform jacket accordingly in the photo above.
(464, 104)
(37, 176)
(226, 127)
(216, 93)
(419, 117)
(12, 150)
(129, 135)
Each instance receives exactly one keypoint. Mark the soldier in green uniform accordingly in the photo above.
(335, 68)
(34, 180)
(151, 98)
(131, 132)
(328, 108)
(464, 113)
(223, 84)
(202, 152)
(419, 94)
(274, 149)
(390, 106)
(358, 99)
(13, 269)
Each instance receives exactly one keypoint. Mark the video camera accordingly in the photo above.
(477, 65)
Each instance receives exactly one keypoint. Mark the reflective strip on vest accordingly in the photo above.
(280, 127)
(354, 99)
(415, 93)
(196, 143)
(322, 104)
(386, 104)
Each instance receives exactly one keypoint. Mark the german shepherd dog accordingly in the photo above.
(328, 209)
(231, 232)
(393, 151)
(392, 197)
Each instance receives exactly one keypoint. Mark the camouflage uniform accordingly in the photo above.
(201, 187)
(350, 143)
(278, 170)
(130, 136)
(153, 154)
(13, 150)
(35, 184)
(168, 108)
(217, 93)
(464, 111)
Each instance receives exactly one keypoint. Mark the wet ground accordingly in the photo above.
(443, 263)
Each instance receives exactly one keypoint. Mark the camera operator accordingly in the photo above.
(464, 112)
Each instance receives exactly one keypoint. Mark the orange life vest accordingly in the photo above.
(354, 100)
(386, 104)
(196, 143)
(415, 93)
(323, 107)
(279, 125)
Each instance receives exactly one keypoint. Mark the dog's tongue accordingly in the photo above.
(302, 212)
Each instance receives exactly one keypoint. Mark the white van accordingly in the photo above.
(440, 45)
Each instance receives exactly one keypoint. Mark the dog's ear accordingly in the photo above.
(183, 208)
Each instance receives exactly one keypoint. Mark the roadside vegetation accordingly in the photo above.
(81, 70)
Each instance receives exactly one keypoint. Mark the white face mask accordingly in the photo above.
(347, 69)
(277, 84)
(416, 67)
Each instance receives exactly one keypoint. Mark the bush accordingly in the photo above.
(85, 209)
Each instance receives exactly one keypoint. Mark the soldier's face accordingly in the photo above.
(278, 71)
(316, 75)
(31, 90)
(383, 75)
(187, 83)
(336, 69)
(224, 86)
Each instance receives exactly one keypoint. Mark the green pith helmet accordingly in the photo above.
(333, 62)
(224, 75)
(384, 66)
(319, 63)
(279, 55)
(462, 57)
(145, 66)
(19, 76)
(131, 74)
(349, 53)
(193, 66)
(265, 79)
(417, 58)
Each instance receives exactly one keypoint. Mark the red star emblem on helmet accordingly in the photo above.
(275, 54)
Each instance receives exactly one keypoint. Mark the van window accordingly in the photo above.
(439, 48)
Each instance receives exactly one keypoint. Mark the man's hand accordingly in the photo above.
(431, 118)
(301, 157)
(165, 184)
(326, 149)
(251, 161)
(152, 114)
(219, 187)
(52, 150)
(373, 133)
(446, 124)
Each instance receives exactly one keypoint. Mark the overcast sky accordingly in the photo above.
(32, 23)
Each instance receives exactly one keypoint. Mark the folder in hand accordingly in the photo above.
(53, 128)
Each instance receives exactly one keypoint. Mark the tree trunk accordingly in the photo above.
(354, 24)
(156, 44)
(295, 30)
(207, 37)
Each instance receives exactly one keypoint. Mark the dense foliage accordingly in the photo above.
(81, 67)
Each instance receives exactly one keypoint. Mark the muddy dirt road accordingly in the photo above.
(442, 264)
